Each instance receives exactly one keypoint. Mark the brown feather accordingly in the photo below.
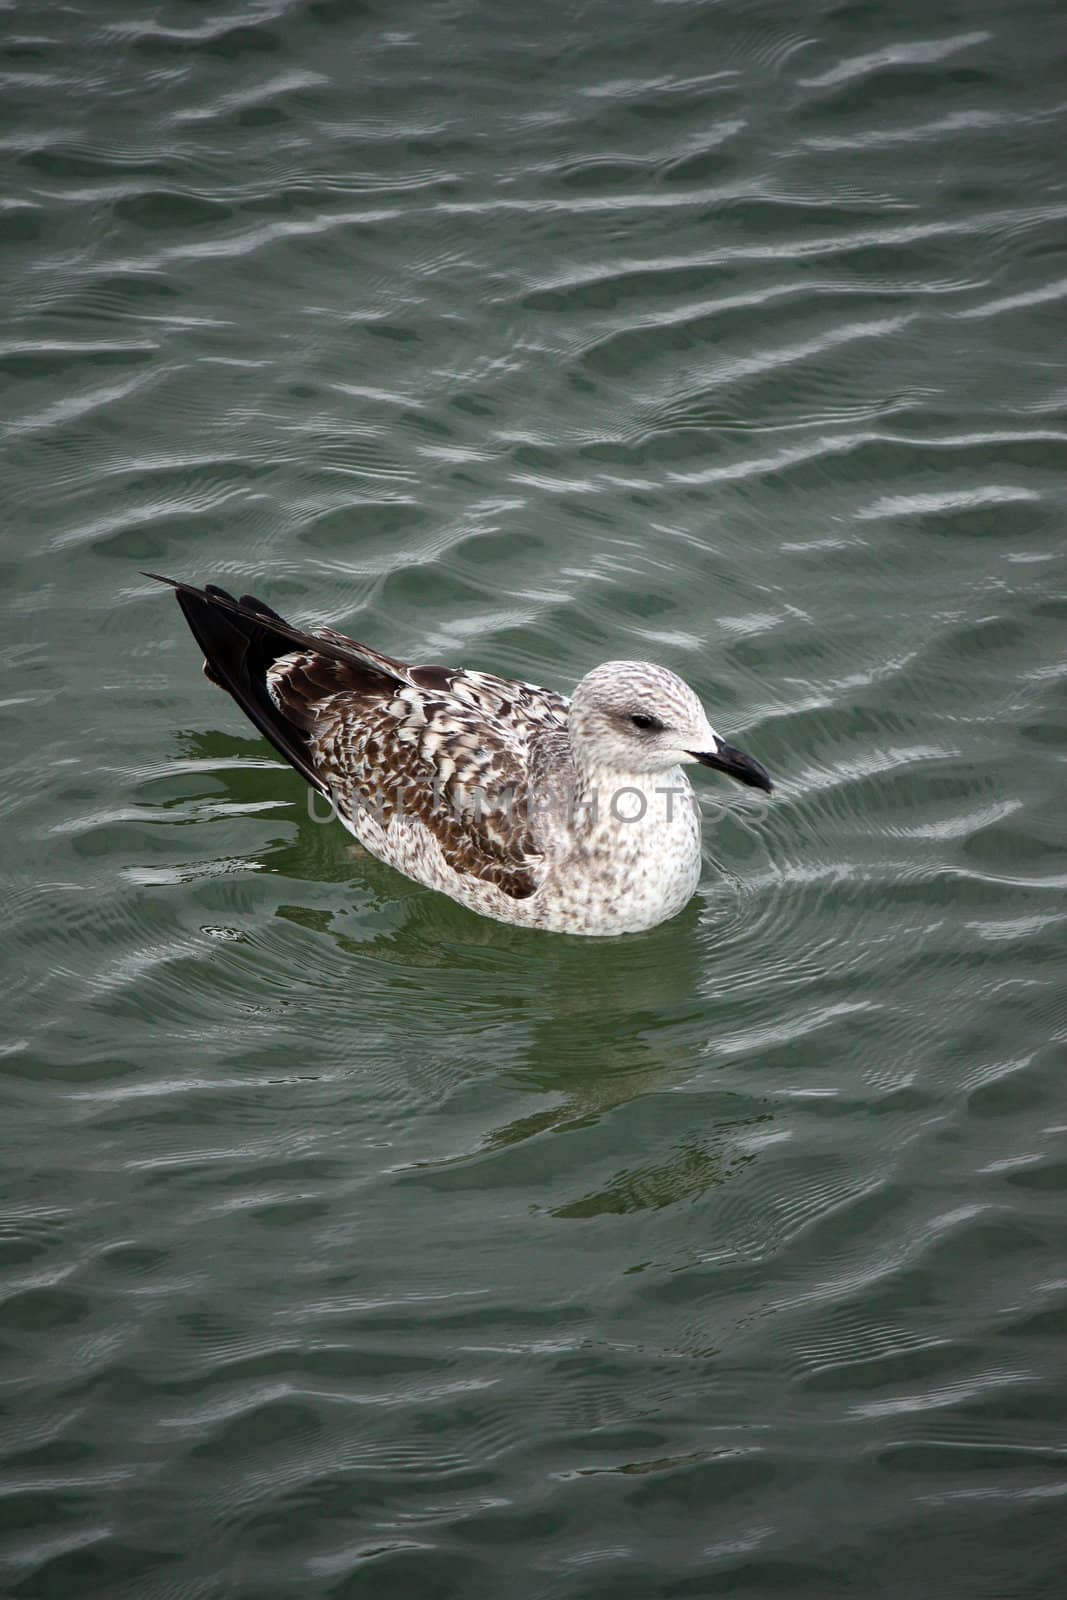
(452, 749)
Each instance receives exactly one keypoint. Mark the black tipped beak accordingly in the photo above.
(724, 758)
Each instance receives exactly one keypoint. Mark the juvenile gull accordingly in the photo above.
(569, 815)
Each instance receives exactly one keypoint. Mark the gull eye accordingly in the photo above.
(646, 724)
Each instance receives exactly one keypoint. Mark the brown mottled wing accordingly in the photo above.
(450, 748)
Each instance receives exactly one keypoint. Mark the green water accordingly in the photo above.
(352, 1245)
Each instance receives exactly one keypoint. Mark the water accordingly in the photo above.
(353, 1245)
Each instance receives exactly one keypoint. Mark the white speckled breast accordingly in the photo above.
(614, 872)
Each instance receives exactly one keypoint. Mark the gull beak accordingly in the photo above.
(724, 758)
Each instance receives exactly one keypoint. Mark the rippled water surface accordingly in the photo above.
(351, 1244)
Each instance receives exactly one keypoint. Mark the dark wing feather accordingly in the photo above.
(327, 643)
(237, 655)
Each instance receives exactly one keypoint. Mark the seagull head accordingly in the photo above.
(631, 717)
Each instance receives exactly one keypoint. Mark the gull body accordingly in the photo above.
(569, 815)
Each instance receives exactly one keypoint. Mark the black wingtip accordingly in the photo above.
(249, 609)
(210, 591)
(240, 644)
(211, 594)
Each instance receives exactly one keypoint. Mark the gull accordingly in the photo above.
(568, 815)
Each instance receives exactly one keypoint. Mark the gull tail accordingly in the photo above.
(241, 640)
